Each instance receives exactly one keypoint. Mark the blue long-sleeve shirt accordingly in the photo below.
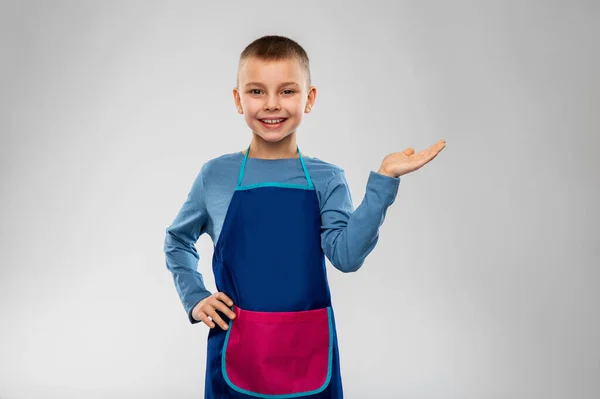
(347, 235)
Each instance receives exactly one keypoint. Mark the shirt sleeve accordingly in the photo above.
(180, 247)
(348, 235)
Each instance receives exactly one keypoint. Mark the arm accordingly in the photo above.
(180, 251)
(348, 235)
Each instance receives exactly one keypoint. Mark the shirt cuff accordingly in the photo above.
(385, 186)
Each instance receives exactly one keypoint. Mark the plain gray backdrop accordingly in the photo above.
(484, 283)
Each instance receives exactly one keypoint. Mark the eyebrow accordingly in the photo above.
(282, 84)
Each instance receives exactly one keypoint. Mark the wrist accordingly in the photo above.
(382, 171)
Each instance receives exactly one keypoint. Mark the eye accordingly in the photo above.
(289, 90)
(253, 91)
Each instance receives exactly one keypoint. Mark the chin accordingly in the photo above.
(272, 137)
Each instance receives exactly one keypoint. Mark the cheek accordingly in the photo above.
(295, 107)
(251, 108)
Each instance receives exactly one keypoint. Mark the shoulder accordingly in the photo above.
(220, 166)
(328, 178)
(322, 170)
(330, 183)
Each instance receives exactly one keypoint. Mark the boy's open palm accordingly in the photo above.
(401, 163)
(206, 310)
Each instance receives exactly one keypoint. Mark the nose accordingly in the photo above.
(272, 103)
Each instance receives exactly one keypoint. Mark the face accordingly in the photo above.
(273, 97)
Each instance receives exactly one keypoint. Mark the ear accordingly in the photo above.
(237, 100)
(310, 100)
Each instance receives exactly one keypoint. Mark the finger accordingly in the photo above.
(225, 309)
(217, 319)
(206, 320)
(222, 297)
(421, 158)
(423, 152)
(432, 151)
(434, 155)
(439, 147)
(436, 147)
(409, 151)
(428, 157)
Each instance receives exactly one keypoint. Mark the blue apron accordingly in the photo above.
(269, 261)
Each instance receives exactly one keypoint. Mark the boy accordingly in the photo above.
(273, 216)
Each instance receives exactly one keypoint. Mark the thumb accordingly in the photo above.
(409, 151)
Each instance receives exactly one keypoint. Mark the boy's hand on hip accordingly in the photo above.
(206, 310)
(401, 163)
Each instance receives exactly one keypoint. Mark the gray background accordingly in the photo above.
(484, 283)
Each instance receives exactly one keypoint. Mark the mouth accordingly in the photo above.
(272, 123)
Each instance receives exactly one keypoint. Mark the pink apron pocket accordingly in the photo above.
(278, 354)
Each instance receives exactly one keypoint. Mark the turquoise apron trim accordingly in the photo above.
(274, 184)
(239, 186)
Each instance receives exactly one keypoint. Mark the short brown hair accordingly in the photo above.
(276, 48)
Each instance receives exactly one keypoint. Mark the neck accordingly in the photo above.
(285, 148)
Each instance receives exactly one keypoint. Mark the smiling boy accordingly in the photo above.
(274, 214)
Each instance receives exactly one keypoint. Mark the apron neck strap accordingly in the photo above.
(243, 167)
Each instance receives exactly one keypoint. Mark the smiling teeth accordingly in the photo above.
(272, 121)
